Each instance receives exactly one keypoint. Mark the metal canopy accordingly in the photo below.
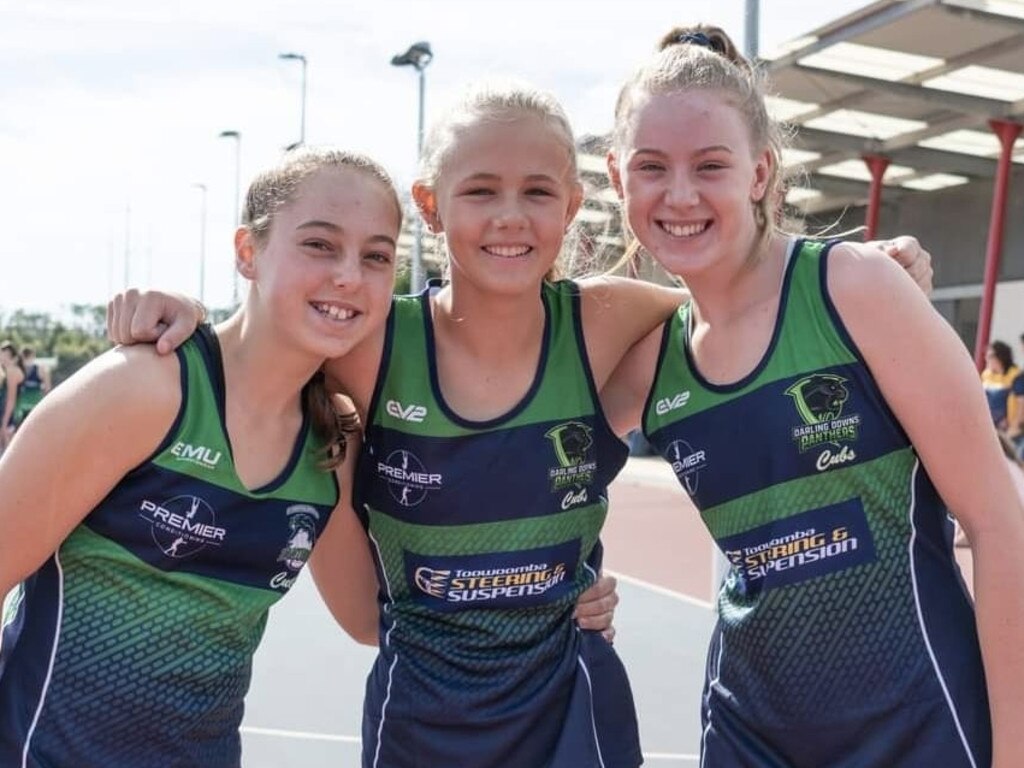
(914, 80)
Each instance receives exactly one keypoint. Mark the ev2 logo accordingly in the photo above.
(414, 413)
(666, 404)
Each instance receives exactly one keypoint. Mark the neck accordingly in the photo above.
(264, 374)
(731, 288)
(489, 326)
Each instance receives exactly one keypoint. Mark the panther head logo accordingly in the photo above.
(819, 398)
(571, 441)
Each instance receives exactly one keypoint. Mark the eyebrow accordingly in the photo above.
(330, 225)
(485, 176)
(701, 151)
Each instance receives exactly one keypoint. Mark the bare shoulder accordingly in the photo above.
(855, 269)
(132, 384)
(607, 290)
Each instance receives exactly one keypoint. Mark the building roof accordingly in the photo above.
(914, 80)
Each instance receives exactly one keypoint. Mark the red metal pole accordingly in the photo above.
(1007, 133)
(876, 165)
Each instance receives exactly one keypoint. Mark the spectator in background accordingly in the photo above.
(14, 375)
(997, 379)
(1015, 429)
(1017, 465)
(35, 385)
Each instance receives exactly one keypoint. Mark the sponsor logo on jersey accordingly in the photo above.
(408, 480)
(182, 526)
(669, 404)
(412, 412)
(302, 520)
(504, 579)
(687, 462)
(820, 400)
(199, 455)
(798, 548)
(572, 443)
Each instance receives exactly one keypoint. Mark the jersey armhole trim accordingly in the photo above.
(666, 334)
(830, 307)
(581, 346)
(179, 417)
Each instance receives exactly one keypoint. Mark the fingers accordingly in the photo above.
(596, 607)
(915, 259)
(174, 335)
(151, 316)
(609, 635)
(120, 311)
(909, 254)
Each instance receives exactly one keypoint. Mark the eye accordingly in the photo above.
(317, 245)
(649, 166)
(540, 192)
(712, 165)
(478, 192)
(380, 257)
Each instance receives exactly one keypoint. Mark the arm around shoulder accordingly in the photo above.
(617, 313)
(928, 379)
(75, 446)
(342, 566)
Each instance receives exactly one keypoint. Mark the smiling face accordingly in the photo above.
(504, 197)
(324, 273)
(690, 178)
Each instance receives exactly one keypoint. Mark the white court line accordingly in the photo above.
(305, 735)
(663, 591)
(308, 736)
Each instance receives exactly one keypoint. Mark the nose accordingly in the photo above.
(347, 270)
(681, 190)
(510, 216)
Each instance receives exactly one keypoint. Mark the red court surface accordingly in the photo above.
(654, 533)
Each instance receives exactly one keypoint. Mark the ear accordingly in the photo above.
(245, 253)
(426, 202)
(615, 174)
(763, 166)
(575, 201)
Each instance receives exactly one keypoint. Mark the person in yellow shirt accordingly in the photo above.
(998, 379)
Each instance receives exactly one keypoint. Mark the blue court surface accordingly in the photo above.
(304, 707)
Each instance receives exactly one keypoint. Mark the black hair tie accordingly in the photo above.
(699, 38)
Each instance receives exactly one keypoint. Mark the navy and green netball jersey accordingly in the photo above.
(30, 393)
(484, 534)
(132, 645)
(845, 636)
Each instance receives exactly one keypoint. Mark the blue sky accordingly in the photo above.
(110, 110)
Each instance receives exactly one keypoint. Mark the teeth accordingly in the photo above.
(334, 312)
(684, 230)
(507, 251)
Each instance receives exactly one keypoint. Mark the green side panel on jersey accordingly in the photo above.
(805, 315)
(206, 455)
(112, 611)
(785, 500)
(505, 535)
(549, 403)
(85, 548)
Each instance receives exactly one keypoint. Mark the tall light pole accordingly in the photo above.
(302, 123)
(238, 193)
(202, 242)
(418, 56)
(751, 28)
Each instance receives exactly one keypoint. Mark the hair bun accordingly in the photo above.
(698, 38)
